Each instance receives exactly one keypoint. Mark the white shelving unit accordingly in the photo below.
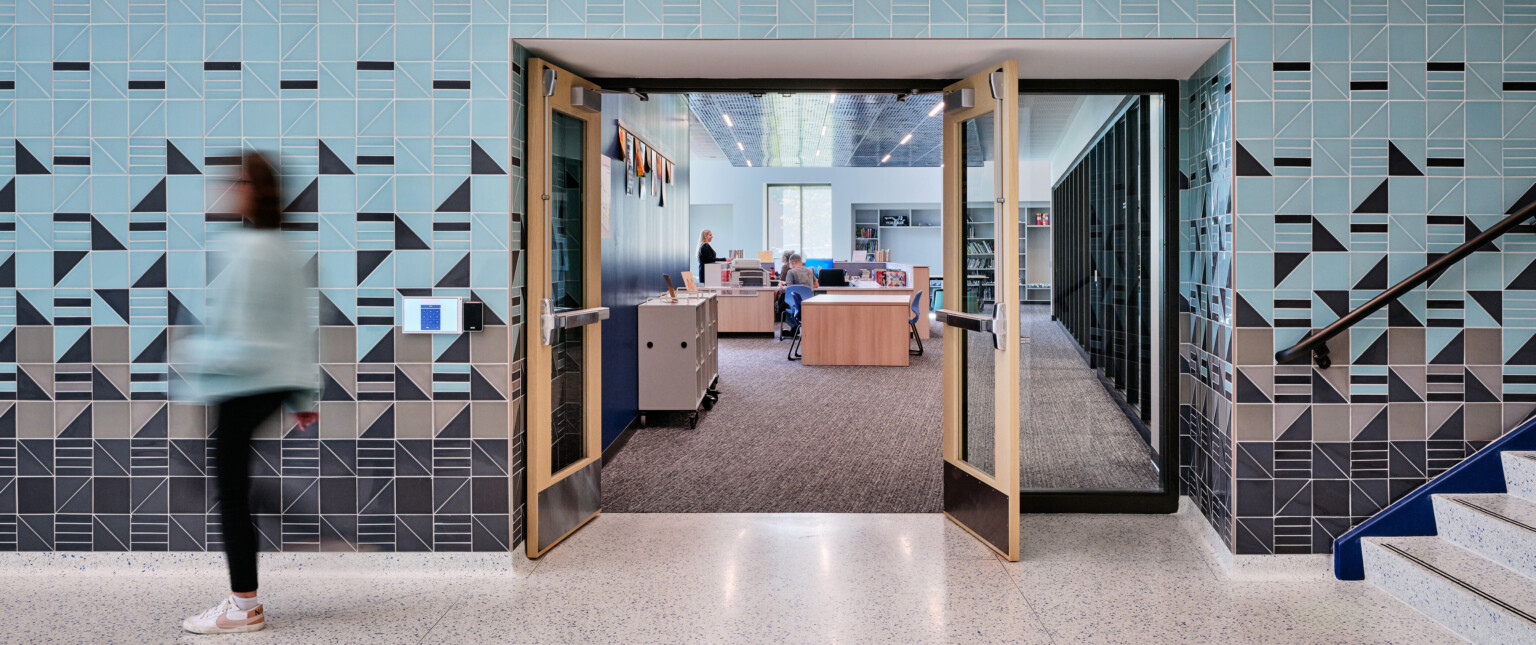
(913, 233)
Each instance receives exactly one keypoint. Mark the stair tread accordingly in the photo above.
(1488, 577)
(1511, 508)
(1523, 454)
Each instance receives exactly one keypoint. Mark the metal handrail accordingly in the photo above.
(1317, 342)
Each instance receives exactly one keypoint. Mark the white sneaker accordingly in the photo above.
(227, 618)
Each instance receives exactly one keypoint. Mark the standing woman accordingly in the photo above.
(256, 354)
(706, 252)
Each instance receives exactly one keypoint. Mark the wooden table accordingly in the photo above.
(853, 329)
(746, 309)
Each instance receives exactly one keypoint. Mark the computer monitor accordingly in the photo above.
(817, 264)
(832, 278)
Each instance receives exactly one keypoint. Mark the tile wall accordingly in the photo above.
(1373, 133)
(123, 118)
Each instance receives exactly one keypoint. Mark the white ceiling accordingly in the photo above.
(852, 58)
(1043, 119)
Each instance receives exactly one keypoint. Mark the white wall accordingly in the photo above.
(718, 182)
(1095, 111)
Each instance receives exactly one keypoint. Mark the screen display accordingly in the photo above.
(431, 316)
(817, 264)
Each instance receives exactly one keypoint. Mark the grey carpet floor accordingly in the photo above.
(793, 438)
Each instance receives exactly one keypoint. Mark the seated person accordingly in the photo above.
(800, 274)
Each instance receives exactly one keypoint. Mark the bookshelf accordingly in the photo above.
(912, 232)
(1035, 269)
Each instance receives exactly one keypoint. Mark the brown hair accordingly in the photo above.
(263, 208)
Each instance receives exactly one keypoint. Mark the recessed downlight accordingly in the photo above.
(728, 123)
(937, 108)
(887, 158)
(749, 163)
(740, 147)
(832, 99)
(905, 139)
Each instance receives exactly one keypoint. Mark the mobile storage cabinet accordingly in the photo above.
(679, 355)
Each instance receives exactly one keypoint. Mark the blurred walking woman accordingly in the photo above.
(255, 354)
(706, 252)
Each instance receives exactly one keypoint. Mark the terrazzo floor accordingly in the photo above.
(731, 578)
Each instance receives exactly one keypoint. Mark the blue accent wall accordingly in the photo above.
(645, 240)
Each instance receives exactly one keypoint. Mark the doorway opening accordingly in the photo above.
(849, 176)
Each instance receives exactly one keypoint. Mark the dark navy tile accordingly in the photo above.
(491, 533)
(34, 495)
(338, 495)
(413, 457)
(110, 532)
(188, 532)
(189, 457)
(72, 495)
(1255, 497)
(413, 533)
(301, 495)
(337, 532)
(375, 496)
(189, 495)
(110, 458)
(338, 458)
(34, 457)
(490, 495)
(489, 457)
(451, 495)
(413, 495)
(150, 495)
(35, 532)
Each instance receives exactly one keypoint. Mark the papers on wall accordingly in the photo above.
(607, 197)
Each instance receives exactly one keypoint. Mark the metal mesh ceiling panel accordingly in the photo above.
(804, 129)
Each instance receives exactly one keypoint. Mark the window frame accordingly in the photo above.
(800, 243)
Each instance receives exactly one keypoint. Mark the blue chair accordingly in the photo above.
(793, 296)
(912, 323)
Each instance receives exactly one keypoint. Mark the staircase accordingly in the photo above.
(1478, 575)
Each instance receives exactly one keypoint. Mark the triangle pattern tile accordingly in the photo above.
(1323, 239)
(1375, 278)
(102, 388)
(8, 273)
(177, 163)
(1376, 202)
(1453, 353)
(406, 238)
(1400, 391)
(150, 426)
(27, 313)
(381, 427)
(481, 389)
(1491, 302)
(1323, 391)
(406, 389)
(154, 352)
(456, 277)
(1248, 165)
(456, 427)
(455, 352)
(8, 197)
(458, 201)
(307, 201)
(1526, 199)
(1399, 315)
(103, 239)
(1475, 391)
(117, 300)
(330, 162)
(80, 352)
(64, 262)
(153, 201)
(178, 313)
(1399, 165)
(481, 163)
(27, 163)
(154, 276)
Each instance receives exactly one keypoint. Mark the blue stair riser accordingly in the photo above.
(1414, 514)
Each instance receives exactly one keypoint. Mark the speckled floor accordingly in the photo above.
(722, 578)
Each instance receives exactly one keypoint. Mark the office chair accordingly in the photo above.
(793, 295)
(912, 322)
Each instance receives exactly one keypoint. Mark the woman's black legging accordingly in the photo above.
(238, 419)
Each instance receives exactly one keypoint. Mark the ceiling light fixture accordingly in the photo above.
(937, 108)
(740, 147)
(823, 130)
(832, 99)
(887, 158)
(727, 118)
(749, 163)
(905, 139)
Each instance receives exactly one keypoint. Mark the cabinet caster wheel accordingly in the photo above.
(693, 421)
(709, 403)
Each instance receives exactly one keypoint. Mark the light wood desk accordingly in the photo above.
(745, 309)
(855, 329)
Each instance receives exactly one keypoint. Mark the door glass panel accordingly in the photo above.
(978, 439)
(976, 179)
(567, 144)
(978, 379)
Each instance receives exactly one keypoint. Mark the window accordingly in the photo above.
(800, 219)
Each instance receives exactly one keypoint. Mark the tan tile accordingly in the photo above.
(1405, 346)
(1330, 422)
(1255, 422)
(489, 346)
(1437, 414)
(1484, 421)
(109, 344)
(338, 420)
(34, 344)
(41, 374)
(496, 375)
(119, 376)
(345, 375)
(488, 420)
(413, 348)
(1360, 416)
(1286, 416)
(109, 419)
(1517, 413)
(338, 344)
(34, 419)
(413, 420)
(1406, 422)
(189, 421)
(1485, 347)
